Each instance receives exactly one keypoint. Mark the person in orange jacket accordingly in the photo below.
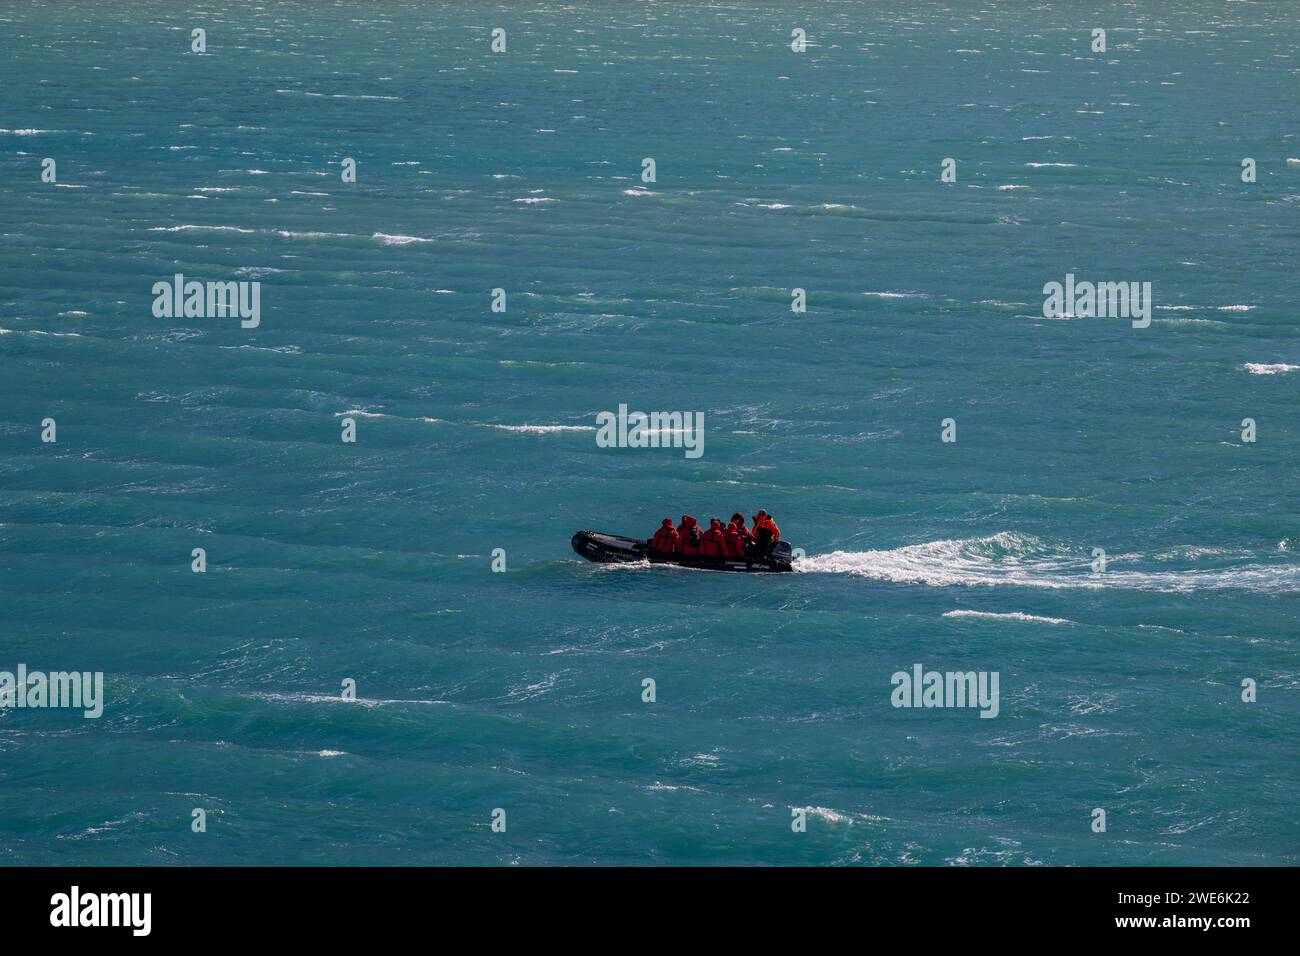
(733, 542)
(711, 541)
(665, 539)
(688, 537)
(766, 533)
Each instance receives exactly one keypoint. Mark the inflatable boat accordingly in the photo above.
(615, 549)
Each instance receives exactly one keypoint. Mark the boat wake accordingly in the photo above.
(1018, 560)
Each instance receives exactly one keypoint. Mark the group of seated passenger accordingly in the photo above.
(732, 540)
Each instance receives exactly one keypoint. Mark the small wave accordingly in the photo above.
(281, 349)
(827, 814)
(256, 272)
(536, 364)
(192, 228)
(1047, 165)
(333, 699)
(1182, 322)
(534, 199)
(288, 234)
(62, 335)
(544, 429)
(362, 413)
(1008, 616)
(388, 240)
(1255, 368)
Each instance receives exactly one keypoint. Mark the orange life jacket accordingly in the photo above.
(765, 528)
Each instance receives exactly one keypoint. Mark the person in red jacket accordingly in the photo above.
(688, 537)
(766, 533)
(711, 541)
(665, 539)
(739, 521)
(733, 542)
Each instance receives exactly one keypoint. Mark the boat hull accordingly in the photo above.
(615, 549)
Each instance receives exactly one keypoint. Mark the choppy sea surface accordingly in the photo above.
(372, 561)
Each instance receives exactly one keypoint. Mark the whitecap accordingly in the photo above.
(192, 228)
(1257, 368)
(388, 240)
(544, 429)
(1009, 616)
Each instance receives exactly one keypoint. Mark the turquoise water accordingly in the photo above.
(521, 690)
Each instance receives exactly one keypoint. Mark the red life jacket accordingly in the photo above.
(689, 537)
(711, 541)
(665, 540)
(733, 544)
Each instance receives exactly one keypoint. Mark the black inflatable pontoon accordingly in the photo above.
(612, 548)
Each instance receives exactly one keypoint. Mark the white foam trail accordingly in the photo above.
(1020, 560)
